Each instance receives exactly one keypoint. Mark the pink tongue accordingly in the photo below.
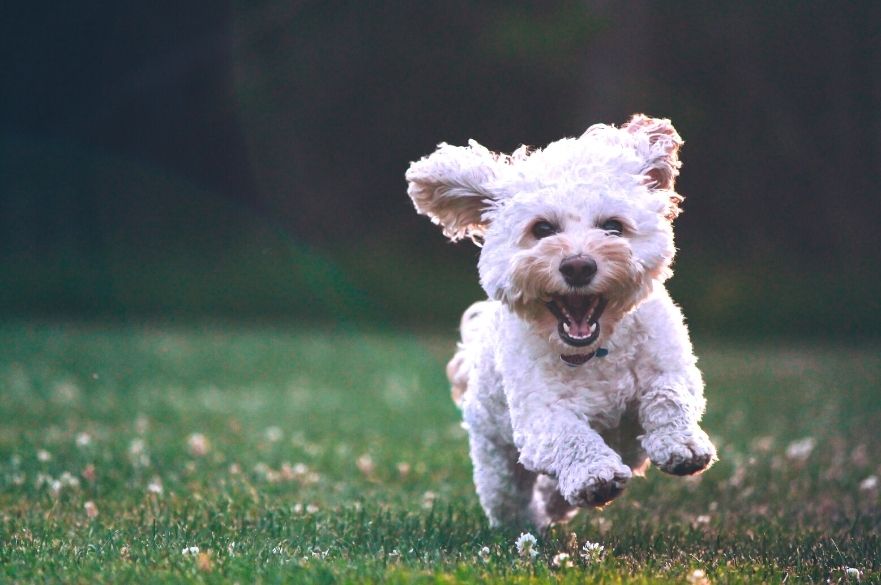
(579, 329)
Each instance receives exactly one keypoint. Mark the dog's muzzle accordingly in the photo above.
(578, 317)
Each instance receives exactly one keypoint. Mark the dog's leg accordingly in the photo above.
(669, 412)
(503, 485)
(561, 444)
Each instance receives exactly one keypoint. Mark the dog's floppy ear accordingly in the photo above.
(452, 187)
(661, 154)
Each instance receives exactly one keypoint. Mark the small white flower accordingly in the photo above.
(484, 553)
(190, 550)
(43, 455)
(155, 487)
(869, 483)
(428, 499)
(299, 472)
(852, 573)
(562, 561)
(698, 577)
(68, 480)
(273, 434)
(42, 479)
(292, 472)
(800, 450)
(137, 453)
(66, 392)
(136, 447)
(83, 440)
(592, 552)
(365, 464)
(526, 545)
(91, 509)
(198, 445)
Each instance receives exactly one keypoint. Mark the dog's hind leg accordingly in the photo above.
(505, 487)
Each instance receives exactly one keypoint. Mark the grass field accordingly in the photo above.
(214, 454)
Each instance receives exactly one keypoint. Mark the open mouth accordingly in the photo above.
(578, 317)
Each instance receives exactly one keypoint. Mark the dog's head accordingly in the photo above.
(575, 235)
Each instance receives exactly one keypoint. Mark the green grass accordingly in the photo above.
(336, 456)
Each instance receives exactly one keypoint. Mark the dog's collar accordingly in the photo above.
(575, 360)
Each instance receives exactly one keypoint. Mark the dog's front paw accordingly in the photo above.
(680, 451)
(595, 484)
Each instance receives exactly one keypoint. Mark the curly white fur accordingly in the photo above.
(547, 437)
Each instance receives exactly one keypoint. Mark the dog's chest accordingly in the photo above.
(601, 389)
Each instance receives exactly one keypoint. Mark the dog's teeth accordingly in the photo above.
(566, 328)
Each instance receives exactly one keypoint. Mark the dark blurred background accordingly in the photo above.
(245, 160)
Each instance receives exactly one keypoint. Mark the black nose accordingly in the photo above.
(578, 270)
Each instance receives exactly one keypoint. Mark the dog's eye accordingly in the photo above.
(613, 226)
(542, 229)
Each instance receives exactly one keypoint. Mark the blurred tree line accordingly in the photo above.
(246, 158)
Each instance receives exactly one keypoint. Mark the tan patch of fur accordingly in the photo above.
(457, 374)
(536, 274)
(619, 280)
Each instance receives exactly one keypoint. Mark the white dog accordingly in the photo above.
(579, 370)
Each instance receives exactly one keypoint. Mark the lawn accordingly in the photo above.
(273, 454)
